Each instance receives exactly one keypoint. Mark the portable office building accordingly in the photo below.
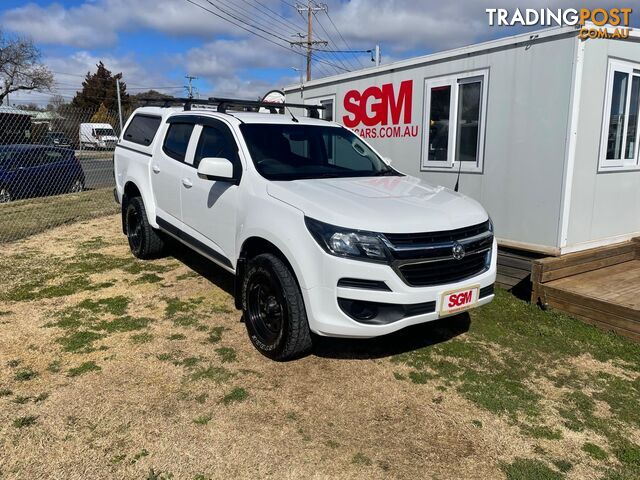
(541, 126)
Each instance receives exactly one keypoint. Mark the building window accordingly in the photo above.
(327, 102)
(619, 143)
(454, 121)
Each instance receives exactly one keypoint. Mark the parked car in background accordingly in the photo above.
(99, 136)
(37, 170)
(59, 139)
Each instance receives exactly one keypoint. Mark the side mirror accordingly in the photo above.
(216, 168)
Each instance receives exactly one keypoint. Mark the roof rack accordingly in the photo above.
(222, 104)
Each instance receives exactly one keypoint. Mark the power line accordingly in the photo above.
(343, 39)
(333, 52)
(239, 25)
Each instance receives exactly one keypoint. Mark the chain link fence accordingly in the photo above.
(56, 167)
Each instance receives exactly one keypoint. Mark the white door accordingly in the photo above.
(167, 170)
(209, 206)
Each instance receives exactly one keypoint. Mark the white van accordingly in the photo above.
(97, 136)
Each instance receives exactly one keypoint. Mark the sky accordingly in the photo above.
(155, 43)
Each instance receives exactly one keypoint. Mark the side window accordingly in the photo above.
(454, 108)
(177, 140)
(216, 142)
(50, 156)
(620, 134)
(142, 129)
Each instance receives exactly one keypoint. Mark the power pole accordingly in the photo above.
(190, 87)
(119, 103)
(309, 42)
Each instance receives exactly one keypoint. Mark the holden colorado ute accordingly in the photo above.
(322, 234)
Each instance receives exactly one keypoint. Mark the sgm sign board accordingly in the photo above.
(381, 111)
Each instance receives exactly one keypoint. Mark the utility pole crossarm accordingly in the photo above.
(309, 42)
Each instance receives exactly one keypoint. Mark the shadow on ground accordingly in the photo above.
(408, 339)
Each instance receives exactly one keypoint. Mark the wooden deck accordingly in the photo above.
(600, 286)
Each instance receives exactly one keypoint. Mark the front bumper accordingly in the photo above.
(327, 318)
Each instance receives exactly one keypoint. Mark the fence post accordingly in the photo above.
(119, 103)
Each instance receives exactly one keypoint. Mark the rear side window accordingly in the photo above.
(177, 140)
(142, 129)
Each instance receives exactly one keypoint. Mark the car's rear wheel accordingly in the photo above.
(5, 195)
(77, 186)
(273, 309)
(144, 241)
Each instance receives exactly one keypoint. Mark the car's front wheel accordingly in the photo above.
(5, 195)
(145, 242)
(273, 309)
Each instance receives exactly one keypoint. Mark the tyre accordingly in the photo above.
(145, 242)
(77, 186)
(5, 195)
(273, 309)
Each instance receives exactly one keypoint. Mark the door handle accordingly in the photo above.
(187, 183)
(155, 168)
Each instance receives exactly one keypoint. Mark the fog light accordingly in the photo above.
(363, 310)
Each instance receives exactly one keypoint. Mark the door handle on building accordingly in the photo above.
(155, 168)
(187, 183)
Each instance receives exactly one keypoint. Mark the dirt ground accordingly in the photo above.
(115, 368)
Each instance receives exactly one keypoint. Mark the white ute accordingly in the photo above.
(321, 233)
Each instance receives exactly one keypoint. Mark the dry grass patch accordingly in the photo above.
(115, 368)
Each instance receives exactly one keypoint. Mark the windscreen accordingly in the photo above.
(104, 132)
(294, 152)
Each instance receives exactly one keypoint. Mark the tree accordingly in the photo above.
(20, 67)
(100, 88)
(55, 102)
(103, 116)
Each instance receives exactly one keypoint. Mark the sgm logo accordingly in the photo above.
(460, 299)
(385, 107)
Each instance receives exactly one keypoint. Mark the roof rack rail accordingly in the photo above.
(222, 104)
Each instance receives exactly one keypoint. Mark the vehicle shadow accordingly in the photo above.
(202, 266)
(405, 340)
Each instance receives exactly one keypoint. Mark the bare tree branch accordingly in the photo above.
(20, 67)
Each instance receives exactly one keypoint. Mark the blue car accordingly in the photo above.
(38, 170)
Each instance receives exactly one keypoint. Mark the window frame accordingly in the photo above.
(318, 101)
(454, 81)
(622, 164)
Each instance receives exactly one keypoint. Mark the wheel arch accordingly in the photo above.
(251, 247)
(131, 190)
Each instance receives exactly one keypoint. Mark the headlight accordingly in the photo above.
(347, 243)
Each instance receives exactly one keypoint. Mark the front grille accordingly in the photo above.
(426, 259)
(410, 239)
(443, 271)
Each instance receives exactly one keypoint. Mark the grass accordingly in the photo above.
(26, 421)
(23, 218)
(216, 374)
(594, 451)
(226, 354)
(86, 367)
(25, 375)
(361, 459)
(202, 419)
(526, 469)
(238, 394)
(530, 387)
